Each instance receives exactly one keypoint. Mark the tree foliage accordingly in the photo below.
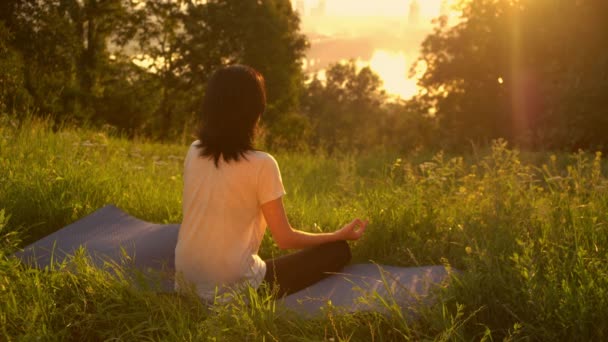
(156, 33)
(349, 110)
(79, 56)
(532, 71)
(343, 108)
(13, 96)
(64, 45)
(263, 34)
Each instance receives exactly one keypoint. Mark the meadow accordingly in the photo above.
(528, 232)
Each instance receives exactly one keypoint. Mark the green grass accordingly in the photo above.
(528, 232)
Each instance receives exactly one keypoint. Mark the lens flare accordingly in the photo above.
(392, 67)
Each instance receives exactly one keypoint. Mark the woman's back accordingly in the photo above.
(223, 224)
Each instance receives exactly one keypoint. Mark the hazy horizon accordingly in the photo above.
(384, 34)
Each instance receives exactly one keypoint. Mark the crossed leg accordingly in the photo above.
(296, 271)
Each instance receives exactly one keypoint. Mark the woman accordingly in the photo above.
(232, 191)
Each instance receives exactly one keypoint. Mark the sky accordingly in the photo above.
(382, 34)
(363, 8)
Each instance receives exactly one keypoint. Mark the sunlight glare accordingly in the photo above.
(392, 67)
(384, 25)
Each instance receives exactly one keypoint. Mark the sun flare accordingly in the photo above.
(384, 34)
(392, 67)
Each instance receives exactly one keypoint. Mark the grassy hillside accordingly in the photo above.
(529, 234)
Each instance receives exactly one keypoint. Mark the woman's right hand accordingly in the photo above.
(352, 231)
(287, 237)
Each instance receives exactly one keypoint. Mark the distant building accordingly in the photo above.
(301, 7)
(414, 15)
(445, 8)
(320, 9)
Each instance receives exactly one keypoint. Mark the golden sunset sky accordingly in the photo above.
(382, 34)
(363, 8)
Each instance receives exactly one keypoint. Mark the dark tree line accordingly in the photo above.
(73, 59)
(349, 110)
(532, 71)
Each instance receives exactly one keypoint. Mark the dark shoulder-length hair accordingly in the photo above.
(234, 100)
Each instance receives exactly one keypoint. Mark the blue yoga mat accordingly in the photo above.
(109, 232)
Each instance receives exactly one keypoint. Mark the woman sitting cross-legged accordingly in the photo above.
(232, 192)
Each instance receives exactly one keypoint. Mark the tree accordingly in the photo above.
(64, 44)
(156, 28)
(578, 74)
(346, 109)
(14, 98)
(261, 33)
(47, 43)
(131, 98)
(464, 66)
(529, 71)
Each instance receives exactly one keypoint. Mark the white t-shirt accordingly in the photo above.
(223, 223)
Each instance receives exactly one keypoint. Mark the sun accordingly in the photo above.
(337, 19)
(392, 67)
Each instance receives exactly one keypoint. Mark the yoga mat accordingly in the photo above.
(109, 233)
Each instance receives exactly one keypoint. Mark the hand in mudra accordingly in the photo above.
(353, 230)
